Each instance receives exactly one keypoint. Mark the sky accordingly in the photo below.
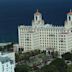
(16, 12)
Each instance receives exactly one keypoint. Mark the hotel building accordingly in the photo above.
(45, 36)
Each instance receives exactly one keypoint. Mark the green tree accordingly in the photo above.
(54, 54)
(23, 68)
(57, 65)
(17, 57)
(69, 69)
(49, 68)
(67, 56)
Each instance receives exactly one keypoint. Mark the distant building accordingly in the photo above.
(7, 62)
(58, 38)
(16, 47)
(4, 44)
(7, 46)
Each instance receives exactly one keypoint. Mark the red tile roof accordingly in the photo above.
(37, 12)
(70, 12)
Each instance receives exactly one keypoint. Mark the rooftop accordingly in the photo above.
(70, 12)
(5, 59)
(37, 12)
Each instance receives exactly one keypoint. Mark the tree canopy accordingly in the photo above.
(23, 68)
(57, 65)
(67, 56)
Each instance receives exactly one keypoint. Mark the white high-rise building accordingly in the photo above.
(30, 41)
(7, 62)
(58, 38)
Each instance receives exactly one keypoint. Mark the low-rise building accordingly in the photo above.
(7, 62)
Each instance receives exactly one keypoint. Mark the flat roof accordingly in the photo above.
(4, 44)
(5, 59)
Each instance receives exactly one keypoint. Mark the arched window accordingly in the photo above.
(36, 17)
(69, 18)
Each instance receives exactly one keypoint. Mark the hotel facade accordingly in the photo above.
(45, 36)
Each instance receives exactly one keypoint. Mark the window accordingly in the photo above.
(69, 18)
(36, 17)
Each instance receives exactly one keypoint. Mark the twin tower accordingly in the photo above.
(38, 21)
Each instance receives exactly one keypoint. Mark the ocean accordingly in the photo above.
(16, 12)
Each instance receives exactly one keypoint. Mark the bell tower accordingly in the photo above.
(37, 16)
(68, 22)
(69, 16)
(38, 21)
